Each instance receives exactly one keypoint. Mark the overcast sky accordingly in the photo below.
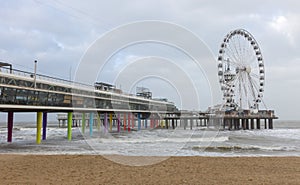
(57, 34)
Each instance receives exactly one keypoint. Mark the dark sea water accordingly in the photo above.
(283, 140)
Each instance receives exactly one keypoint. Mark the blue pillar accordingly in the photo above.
(91, 123)
(139, 121)
(44, 125)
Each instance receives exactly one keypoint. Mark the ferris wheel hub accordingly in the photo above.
(248, 69)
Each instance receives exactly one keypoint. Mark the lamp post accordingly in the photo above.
(34, 80)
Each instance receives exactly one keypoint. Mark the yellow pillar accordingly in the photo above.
(110, 122)
(70, 119)
(39, 116)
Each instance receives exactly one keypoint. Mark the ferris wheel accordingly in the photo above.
(241, 71)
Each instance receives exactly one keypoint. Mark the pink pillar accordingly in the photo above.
(129, 122)
(124, 121)
(132, 126)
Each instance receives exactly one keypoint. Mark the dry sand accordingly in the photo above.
(89, 169)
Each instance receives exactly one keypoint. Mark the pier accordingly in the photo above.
(105, 107)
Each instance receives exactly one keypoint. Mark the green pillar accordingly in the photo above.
(38, 127)
(69, 126)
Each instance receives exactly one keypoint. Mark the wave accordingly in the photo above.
(238, 148)
(162, 140)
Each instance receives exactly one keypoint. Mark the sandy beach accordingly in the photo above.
(92, 169)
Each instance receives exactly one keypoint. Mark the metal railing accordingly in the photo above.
(21, 73)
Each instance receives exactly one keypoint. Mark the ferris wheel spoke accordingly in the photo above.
(245, 50)
(240, 50)
(253, 86)
(233, 56)
(254, 75)
(252, 90)
(237, 49)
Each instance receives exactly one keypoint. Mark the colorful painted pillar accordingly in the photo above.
(146, 122)
(10, 122)
(70, 116)
(139, 121)
(39, 116)
(124, 121)
(83, 123)
(132, 121)
(110, 121)
(98, 122)
(118, 123)
(91, 123)
(129, 119)
(151, 121)
(44, 125)
(105, 122)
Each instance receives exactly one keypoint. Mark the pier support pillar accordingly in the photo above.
(244, 124)
(124, 121)
(10, 122)
(252, 123)
(151, 121)
(247, 123)
(173, 124)
(83, 123)
(235, 124)
(167, 123)
(118, 122)
(105, 122)
(70, 116)
(38, 127)
(258, 123)
(132, 121)
(230, 124)
(266, 124)
(146, 123)
(129, 119)
(139, 121)
(44, 125)
(91, 123)
(110, 121)
(270, 123)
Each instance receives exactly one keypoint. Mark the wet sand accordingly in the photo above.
(91, 169)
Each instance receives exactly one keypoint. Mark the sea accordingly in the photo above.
(283, 140)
